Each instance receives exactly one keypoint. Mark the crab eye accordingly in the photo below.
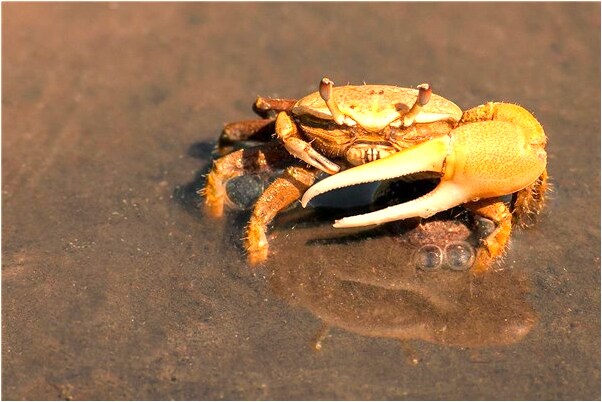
(428, 257)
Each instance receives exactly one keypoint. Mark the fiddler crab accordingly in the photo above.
(369, 133)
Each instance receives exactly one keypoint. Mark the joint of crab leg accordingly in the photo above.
(326, 94)
(424, 95)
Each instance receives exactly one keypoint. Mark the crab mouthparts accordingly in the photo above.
(429, 156)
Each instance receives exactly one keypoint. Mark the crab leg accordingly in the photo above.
(281, 193)
(246, 130)
(270, 107)
(528, 202)
(257, 129)
(480, 159)
(495, 243)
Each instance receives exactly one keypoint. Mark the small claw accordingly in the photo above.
(303, 150)
(299, 148)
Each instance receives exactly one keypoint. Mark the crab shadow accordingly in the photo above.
(186, 195)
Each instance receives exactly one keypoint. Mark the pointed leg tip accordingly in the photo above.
(344, 223)
(261, 104)
(257, 260)
(351, 222)
(305, 200)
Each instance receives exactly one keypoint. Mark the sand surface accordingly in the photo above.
(115, 286)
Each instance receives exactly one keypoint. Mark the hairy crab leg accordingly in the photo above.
(246, 130)
(287, 131)
(494, 245)
(529, 202)
(281, 193)
(263, 158)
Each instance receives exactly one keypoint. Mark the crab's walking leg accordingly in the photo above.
(256, 129)
(246, 130)
(495, 243)
(287, 131)
(251, 160)
(283, 191)
(269, 108)
(528, 202)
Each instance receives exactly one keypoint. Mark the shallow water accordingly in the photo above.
(115, 286)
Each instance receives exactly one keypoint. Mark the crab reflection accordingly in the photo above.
(406, 283)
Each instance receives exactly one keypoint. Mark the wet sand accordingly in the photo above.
(115, 286)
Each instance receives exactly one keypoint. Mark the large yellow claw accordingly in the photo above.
(496, 149)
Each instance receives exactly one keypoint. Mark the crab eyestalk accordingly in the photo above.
(326, 94)
(424, 95)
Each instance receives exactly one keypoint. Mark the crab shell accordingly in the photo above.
(375, 107)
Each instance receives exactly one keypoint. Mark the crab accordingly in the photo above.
(368, 133)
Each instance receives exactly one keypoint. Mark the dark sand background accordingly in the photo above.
(115, 287)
